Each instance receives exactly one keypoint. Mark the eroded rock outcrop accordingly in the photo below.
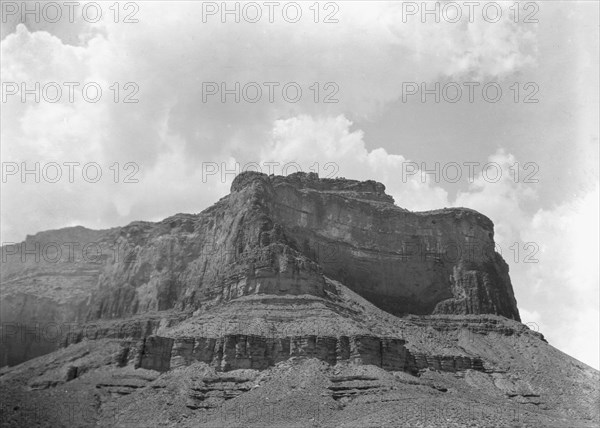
(233, 352)
(47, 280)
(271, 236)
(441, 261)
(280, 235)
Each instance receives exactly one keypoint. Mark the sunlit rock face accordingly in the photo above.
(271, 236)
(280, 235)
(439, 261)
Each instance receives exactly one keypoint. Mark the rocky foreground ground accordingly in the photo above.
(522, 382)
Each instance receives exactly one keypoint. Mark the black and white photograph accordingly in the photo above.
(272, 214)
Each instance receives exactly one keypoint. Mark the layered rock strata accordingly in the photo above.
(281, 235)
(271, 236)
(233, 352)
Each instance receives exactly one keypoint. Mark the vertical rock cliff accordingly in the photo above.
(282, 235)
(271, 236)
(440, 261)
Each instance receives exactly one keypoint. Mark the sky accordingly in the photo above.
(348, 92)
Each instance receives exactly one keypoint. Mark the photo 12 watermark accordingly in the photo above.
(69, 172)
(270, 12)
(222, 171)
(471, 92)
(454, 12)
(265, 413)
(476, 413)
(453, 172)
(254, 92)
(70, 92)
(70, 11)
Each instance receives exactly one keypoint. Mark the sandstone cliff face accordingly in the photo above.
(280, 235)
(429, 262)
(46, 281)
(272, 236)
(233, 352)
(240, 351)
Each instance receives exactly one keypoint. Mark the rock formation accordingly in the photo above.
(271, 235)
(281, 274)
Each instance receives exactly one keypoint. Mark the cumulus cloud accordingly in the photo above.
(501, 188)
(551, 252)
(307, 140)
(567, 274)
(477, 43)
(169, 62)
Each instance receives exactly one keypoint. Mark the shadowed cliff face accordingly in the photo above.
(272, 235)
(428, 262)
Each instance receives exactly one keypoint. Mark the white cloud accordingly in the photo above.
(567, 274)
(553, 257)
(307, 140)
(477, 49)
(169, 61)
(500, 192)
